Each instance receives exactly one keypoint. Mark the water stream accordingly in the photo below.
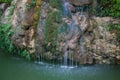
(74, 30)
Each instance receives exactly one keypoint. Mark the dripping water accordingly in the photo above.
(66, 8)
(73, 29)
(65, 56)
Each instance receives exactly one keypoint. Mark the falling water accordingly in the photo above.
(82, 35)
(66, 8)
(81, 45)
(75, 29)
(65, 56)
(67, 13)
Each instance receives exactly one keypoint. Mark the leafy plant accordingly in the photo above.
(6, 1)
(109, 8)
(12, 9)
(6, 32)
(1, 13)
(28, 6)
(116, 30)
(34, 2)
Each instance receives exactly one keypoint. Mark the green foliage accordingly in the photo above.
(6, 44)
(116, 30)
(28, 6)
(1, 13)
(118, 36)
(63, 28)
(5, 36)
(110, 8)
(6, 1)
(51, 30)
(6, 32)
(12, 10)
(56, 4)
(25, 54)
(52, 25)
(33, 4)
(113, 27)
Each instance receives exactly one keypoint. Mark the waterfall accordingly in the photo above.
(74, 29)
(65, 56)
(82, 37)
(72, 44)
(66, 8)
(66, 13)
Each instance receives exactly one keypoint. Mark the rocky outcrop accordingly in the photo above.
(24, 21)
(42, 29)
(3, 6)
(90, 49)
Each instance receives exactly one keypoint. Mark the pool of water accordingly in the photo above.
(12, 68)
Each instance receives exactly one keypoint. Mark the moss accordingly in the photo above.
(12, 10)
(37, 12)
(56, 4)
(51, 31)
(63, 28)
(62, 32)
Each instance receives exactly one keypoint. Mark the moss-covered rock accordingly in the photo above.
(56, 4)
(51, 30)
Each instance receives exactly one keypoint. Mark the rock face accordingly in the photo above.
(3, 6)
(46, 33)
(24, 21)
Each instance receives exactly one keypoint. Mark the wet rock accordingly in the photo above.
(19, 41)
(24, 20)
(106, 61)
(28, 18)
(118, 57)
(90, 58)
(85, 39)
(86, 59)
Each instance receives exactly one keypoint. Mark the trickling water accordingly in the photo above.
(66, 8)
(73, 38)
(81, 45)
(67, 13)
(65, 56)
(75, 29)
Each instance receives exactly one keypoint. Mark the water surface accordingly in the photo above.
(12, 68)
